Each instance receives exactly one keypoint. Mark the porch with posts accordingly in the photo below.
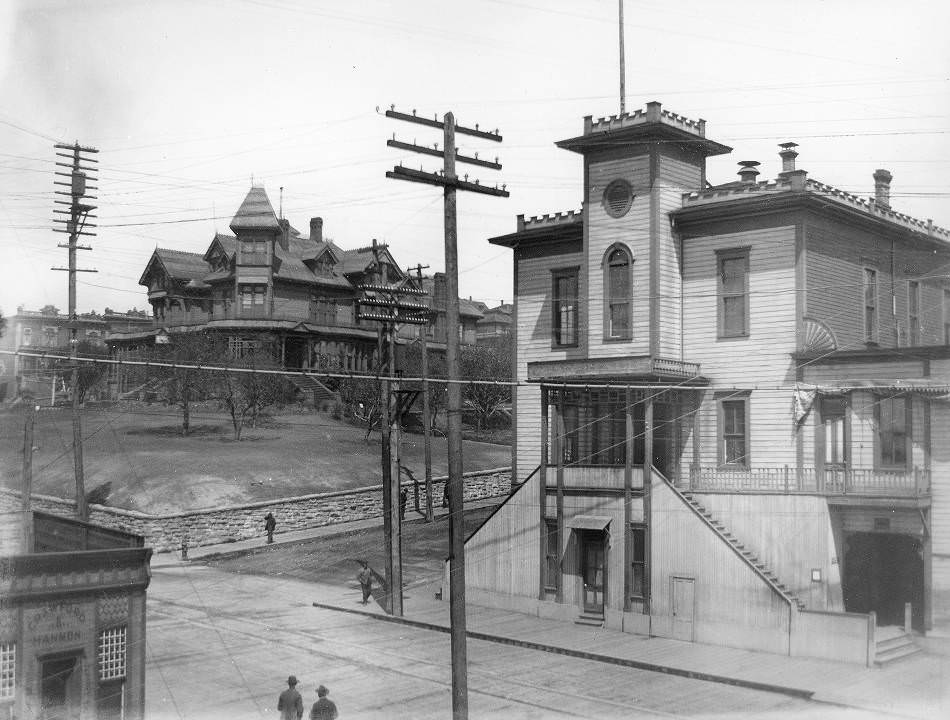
(595, 442)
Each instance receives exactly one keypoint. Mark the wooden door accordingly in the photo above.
(593, 571)
(683, 605)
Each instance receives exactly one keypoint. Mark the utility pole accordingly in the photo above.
(450, 183)
(382, 302)
(623, 90)
(26, 502)
(80, 171)
(426, 419)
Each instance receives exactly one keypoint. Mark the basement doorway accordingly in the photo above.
(882, 571)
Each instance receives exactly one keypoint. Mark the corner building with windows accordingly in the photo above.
(732, 406)
(72, 619)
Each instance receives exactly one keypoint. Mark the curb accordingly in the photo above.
(584, 655)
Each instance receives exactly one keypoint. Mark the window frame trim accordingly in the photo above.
(908, 433)
(869, 339)
(556, 274)
(913, 321)
(744, 253)
(743, 396)
(605, 271)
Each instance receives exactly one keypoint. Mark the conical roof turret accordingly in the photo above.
(255, 213)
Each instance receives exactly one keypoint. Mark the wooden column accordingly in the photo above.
(542, 492)
(627, 498)
(559, 479)
(647, 500)
(695, 465)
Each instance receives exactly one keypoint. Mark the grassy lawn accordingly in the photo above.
(335, 559)
(140, 450)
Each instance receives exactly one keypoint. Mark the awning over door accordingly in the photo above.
(588, 522)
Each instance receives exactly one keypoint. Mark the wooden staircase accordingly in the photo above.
(747, 555)
(313, 388)
(892, 644)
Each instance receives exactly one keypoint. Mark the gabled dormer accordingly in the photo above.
(220, 253)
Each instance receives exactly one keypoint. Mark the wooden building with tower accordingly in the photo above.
(268, 284)
(731, 406)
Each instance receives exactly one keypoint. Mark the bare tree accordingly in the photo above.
(485, 363)
(184, 385)
(245, 391)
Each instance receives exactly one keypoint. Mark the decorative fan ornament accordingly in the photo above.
(817, 337)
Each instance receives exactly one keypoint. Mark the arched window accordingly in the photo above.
(618, 294)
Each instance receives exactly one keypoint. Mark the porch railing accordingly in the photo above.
(827, 481)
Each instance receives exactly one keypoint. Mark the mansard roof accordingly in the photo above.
(255, 213)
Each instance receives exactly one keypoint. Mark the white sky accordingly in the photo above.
(187, 99)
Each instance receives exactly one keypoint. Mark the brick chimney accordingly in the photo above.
(882, 188)
(316, 229)
(748, 172)
(284, 237)
(788, 155)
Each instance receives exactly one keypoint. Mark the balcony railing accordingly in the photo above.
(829, 481)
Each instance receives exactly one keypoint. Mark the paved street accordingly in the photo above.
(222, 644)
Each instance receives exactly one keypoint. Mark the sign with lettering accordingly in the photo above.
(58, 625)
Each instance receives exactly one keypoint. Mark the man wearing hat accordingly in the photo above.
(324, 708)
(290, 704)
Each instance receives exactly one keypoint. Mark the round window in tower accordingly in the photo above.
(618, 197)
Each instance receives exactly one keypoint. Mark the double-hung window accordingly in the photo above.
(870, 305)
(734, 431)
(110, 693)
(551, 565)
(733, 287)
(7, 670)
(913, 313)
(894, 431)
(618, 285)
(564, 306)
(638, 562)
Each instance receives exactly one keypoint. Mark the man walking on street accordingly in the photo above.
(365, 576)
(270, 524)
(290, 704)
(324, 708)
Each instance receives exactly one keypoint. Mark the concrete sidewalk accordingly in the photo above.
(916, 687)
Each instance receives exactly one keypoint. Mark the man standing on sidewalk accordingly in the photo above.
(290, 704)
(365, 576)
(270, 524)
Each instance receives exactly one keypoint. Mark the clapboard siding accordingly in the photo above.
(734, 606)
(764, 354)
(762, 358)
(675, 177)
(534, 343)
(792, 534)
(504, 555)
(837, 257)
(291, 300)
(632, 230)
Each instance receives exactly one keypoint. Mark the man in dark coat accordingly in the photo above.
(270, 523)
(324, 708)
(365, 576)
(290, 704)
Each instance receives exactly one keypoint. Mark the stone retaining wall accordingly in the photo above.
(240, 522)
